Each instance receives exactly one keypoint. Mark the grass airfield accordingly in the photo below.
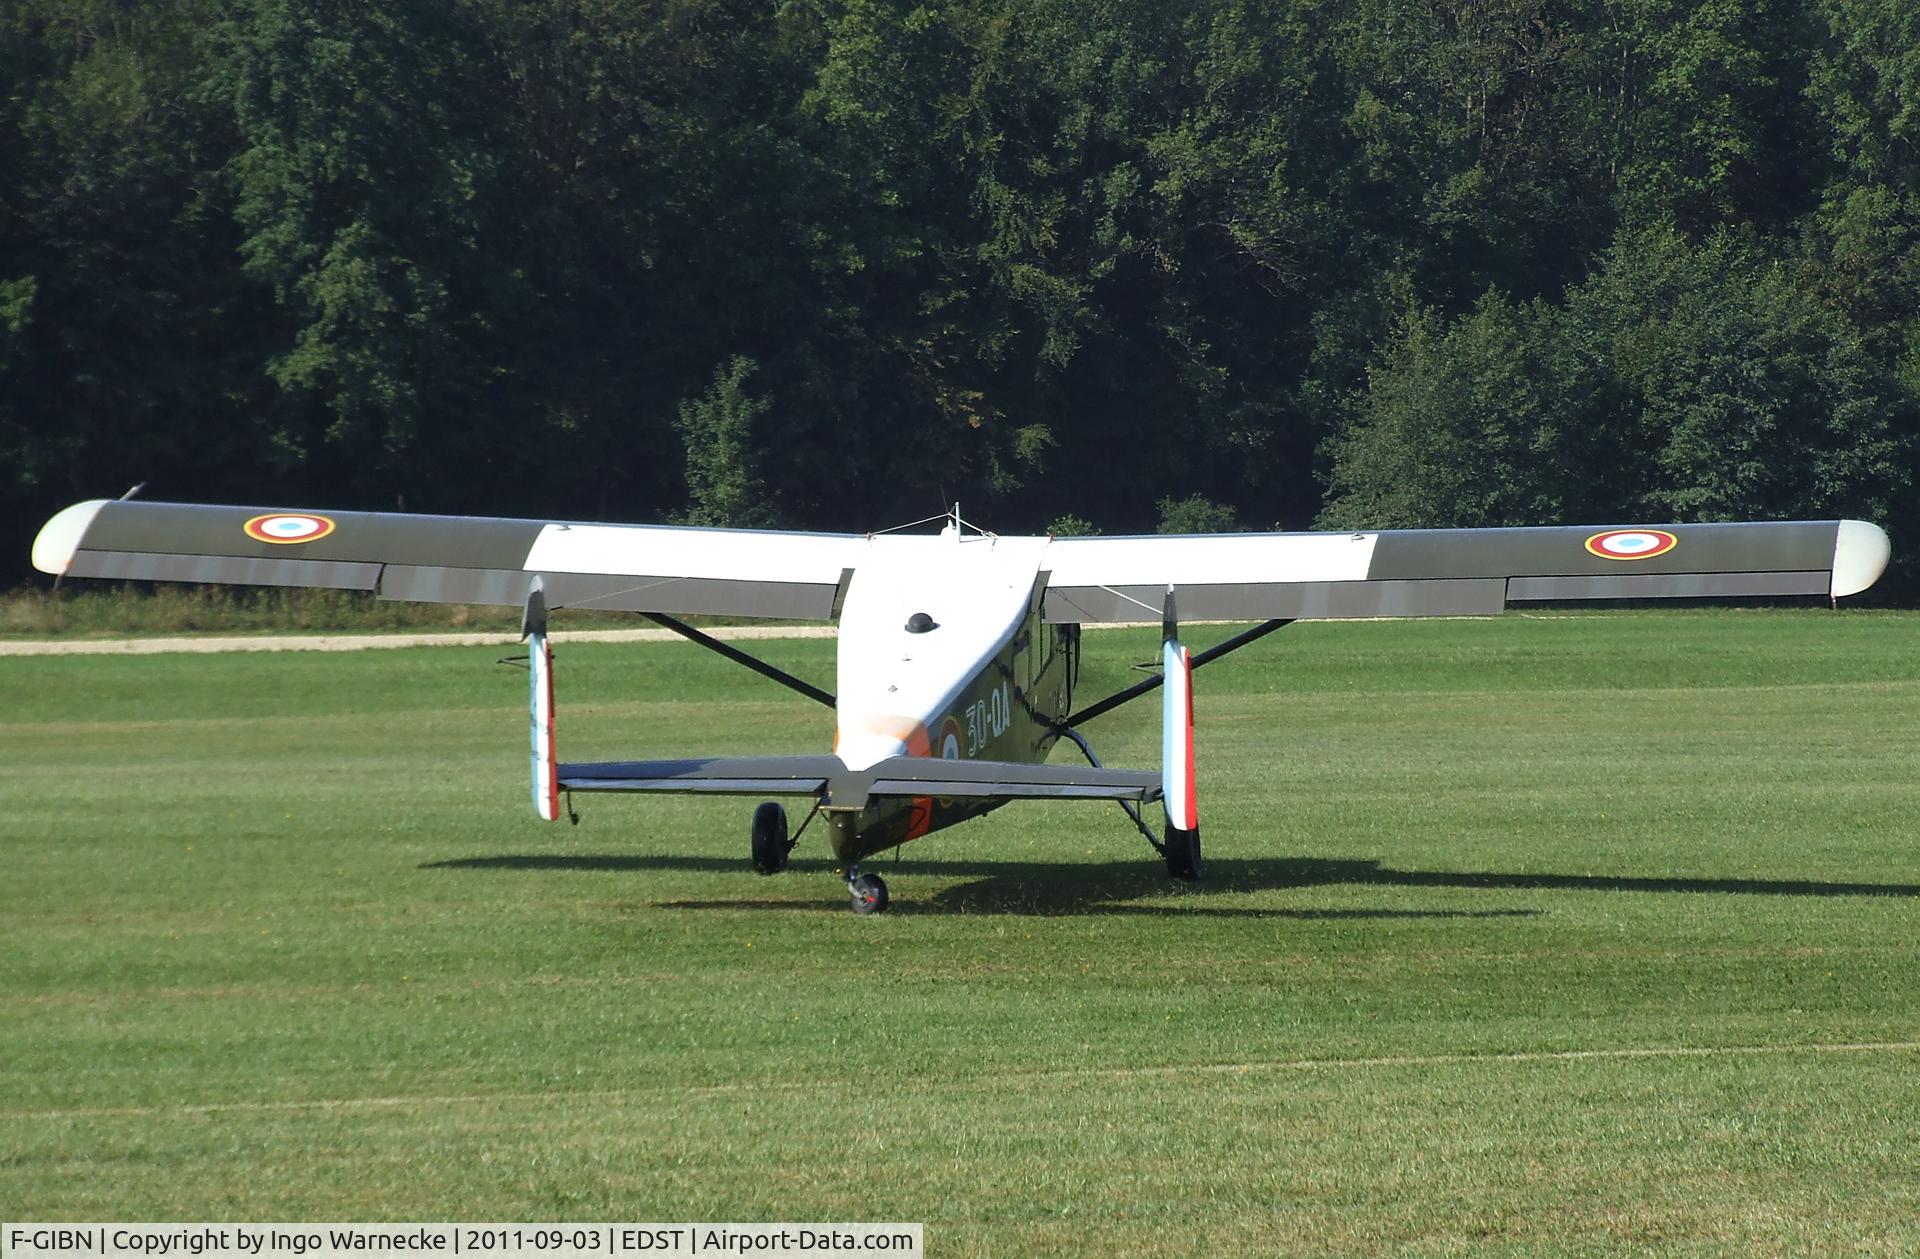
(1561, 935)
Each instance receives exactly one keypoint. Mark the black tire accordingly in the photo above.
(869, 893)
(1183, 854)
(770, 838)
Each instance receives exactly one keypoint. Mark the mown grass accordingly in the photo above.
(1573, 936)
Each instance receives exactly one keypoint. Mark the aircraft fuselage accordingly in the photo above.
(950, 660)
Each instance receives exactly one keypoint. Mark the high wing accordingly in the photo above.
(655, 568)
(457, 559)
(940, 639)
(1453, 572)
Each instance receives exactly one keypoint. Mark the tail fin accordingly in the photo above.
(546, 773)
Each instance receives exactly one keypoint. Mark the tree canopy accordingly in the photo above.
(832, 263)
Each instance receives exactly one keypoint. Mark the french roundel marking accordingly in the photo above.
(284, 527)
(1631, 544)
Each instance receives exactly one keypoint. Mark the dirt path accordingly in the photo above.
(207, 643)
(364, 642)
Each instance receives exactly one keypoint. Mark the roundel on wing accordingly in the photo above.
(1631, 544)
(286, 527)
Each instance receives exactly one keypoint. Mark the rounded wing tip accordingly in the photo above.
(1860, 554)
(59, 538)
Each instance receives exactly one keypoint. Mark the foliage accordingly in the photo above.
(722, 471)
(1072, 527)
(1196, 513)
(1454, 428)
(1680, 382)
(1481, 263)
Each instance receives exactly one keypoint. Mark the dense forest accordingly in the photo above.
(1113, 264)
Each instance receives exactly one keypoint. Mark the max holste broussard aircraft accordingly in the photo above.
(958, 652)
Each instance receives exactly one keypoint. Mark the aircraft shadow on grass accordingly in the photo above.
(1050, 889)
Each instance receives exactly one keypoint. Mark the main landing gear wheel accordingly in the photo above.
(869, 893)
(770, 846)
(1183, 854)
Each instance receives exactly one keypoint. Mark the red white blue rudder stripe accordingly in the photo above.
(546, 773)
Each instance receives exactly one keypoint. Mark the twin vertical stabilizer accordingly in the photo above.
(546, 774)
(1176, 749)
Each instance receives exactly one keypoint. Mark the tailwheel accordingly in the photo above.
(869, 892)
(770, 846)
(1183, 854)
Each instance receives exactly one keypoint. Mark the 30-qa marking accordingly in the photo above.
(988, 718)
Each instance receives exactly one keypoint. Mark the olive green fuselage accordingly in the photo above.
(1008, 711)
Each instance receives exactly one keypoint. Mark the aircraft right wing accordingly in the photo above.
(1453, 572)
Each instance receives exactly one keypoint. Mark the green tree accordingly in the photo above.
(1756, 398)
(1496, 260)
(1682, 381)
(126, 334)
(717, 429)
(1866, 83)
(362, 186)
(1459, 426)
(1705, 112)
(1196, 513)
(1072, 527)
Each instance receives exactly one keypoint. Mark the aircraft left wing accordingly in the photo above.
(457, 559)
(1453, 572)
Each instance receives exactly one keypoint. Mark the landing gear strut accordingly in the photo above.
(1182, 849)
(869, 891)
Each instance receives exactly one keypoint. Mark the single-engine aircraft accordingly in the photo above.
(958, 652)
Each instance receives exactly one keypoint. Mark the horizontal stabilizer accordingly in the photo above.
(1013, 780)
(829, 778)
(715, 775)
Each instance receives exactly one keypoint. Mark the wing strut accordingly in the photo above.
(1111, 702)
(734, 654)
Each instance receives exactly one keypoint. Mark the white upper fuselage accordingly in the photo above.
(895, 686)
